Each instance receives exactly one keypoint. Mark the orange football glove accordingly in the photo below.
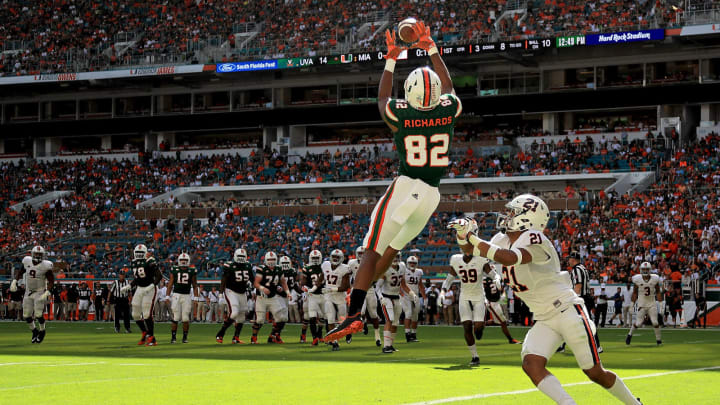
(425, 41)
(393, 51)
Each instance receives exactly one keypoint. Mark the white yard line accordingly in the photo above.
(527, 391)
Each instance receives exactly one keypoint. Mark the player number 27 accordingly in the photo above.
(417, 152)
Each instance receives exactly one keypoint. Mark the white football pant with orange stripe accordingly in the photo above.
(401, 214)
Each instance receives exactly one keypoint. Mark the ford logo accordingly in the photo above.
(227, 67)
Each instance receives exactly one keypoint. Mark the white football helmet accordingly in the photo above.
(285, 263)
(336, 257)
(526, 211)
(396, 260)
(240, 256)
(359, 252)
(412, 262)
(140, 252)
(38, 254)
(645, 268)
(315, 257)
(184, 260)
(271, 259)
(422, 89)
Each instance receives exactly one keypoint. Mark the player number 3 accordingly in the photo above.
(417, 153)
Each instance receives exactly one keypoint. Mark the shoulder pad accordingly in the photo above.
(27, 261)
(455, 259)
(527, 239)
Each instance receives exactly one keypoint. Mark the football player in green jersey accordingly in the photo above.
(146, 276)
(422, 125)
(269, 281)
(313, 282)
(182, 277)
(237, 276)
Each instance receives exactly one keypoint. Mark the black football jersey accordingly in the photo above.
(144, 271)
(237, 276)
(85, 293)
(491, 291)
(312, 273)
(270, 279)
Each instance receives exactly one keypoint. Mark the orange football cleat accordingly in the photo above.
(142, 339)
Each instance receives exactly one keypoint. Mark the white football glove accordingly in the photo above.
(13, 286)
(45, 295)
(462, 226)
(125, 289)
(412, 295)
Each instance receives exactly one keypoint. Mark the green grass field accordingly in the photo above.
(88, 363)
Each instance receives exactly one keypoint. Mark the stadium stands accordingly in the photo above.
(612, 232)
(64, 36)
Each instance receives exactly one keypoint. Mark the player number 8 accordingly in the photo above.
(417, 153)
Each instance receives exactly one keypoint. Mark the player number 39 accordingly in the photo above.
(417, 152)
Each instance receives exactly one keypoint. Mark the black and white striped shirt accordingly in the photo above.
(116, 288)
(697, 286)
(580, 276)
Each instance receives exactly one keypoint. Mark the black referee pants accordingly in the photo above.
(122, 311)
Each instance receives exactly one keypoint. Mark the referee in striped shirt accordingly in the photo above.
(581, 285)
(581, 281)
(697, 286)
(120, 299)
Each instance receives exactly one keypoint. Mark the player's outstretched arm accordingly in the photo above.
(386, 81)
(469, 241)
(426, 43)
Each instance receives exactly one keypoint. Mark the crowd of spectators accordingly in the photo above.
(672, 224)
(41, 36)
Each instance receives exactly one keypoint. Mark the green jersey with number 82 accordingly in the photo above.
(182, 280)
(423, 137)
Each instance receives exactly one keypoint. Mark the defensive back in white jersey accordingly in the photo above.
(35, 274)
(413, 278)
(393, 280)
(646, 289)
(540, 283)
(471, 276)
(333, 277)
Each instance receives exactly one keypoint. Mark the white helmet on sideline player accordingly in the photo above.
(336, 257)
(645, 268)
(285, 263)
(526, 211)
(184, 260)
(412, 262)
(422, 89)
(240, 256)
(271, 259)
(38, 254)
(140, 252)
(315, 257)
(359, 252)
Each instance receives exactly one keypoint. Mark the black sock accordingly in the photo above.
(141, 325)
(256, 329)
(185, 333)
(478, 333)
(224, 327)
(174, 334)
(313, 330)
(150, 326)
(357, 299)
(279, 327)
(238, 329)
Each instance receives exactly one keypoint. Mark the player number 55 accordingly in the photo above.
(417, 153)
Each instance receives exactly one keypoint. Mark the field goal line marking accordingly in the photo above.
(499, 394)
